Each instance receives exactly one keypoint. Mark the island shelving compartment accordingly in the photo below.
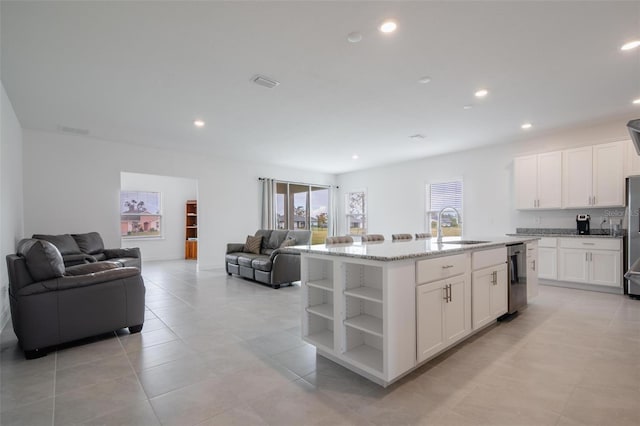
(318, 302)
(363, 319)
(349, 308)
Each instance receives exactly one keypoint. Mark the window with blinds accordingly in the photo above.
(440, 195)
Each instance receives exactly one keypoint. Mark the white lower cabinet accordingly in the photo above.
(596, 261)
(442, 315)
(489, 294)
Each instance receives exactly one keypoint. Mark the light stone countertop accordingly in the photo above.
(562, 235)
(402, 250)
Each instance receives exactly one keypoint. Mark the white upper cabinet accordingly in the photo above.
(577, 177)
(549, 177)
(593, 176)
(537, 180)
(633, 160)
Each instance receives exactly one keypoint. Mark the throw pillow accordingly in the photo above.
(253, 244)
(288, 243)
(43, 259)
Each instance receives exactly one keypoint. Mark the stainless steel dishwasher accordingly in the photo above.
(517, 268)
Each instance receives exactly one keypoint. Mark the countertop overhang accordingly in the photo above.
(387, 251)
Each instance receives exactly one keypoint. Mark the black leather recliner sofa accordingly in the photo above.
(52, 305)
(274, 264)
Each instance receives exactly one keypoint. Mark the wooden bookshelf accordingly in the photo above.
(191, 230)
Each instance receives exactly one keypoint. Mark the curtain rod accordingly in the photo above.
(299, 183)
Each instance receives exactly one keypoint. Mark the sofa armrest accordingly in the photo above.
(235, 247)
(283, 250)
(70, 282)
(122, 252)
(286, 267)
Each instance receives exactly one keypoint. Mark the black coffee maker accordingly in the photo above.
(582, 222)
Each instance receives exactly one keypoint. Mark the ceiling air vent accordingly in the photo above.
(73, 130)
(261, 80)
(417, 137)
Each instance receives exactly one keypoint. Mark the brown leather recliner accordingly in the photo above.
(51, 305)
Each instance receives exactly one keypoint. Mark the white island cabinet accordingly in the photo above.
(383, 309)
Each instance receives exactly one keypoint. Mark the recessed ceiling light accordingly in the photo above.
(198, 123)
(355, 156)
(526, 126)
(467, 107)
(481, 93)
(424, 80)
(354, 37)
(388, 27)
(630, 45)
(636, 101)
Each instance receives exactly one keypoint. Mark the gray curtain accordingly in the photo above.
(333, 214)
(268, 205)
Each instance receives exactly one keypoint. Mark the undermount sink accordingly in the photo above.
(465, 242)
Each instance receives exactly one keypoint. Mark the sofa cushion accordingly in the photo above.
(253, 244)
(90, 243)
(232, 258)
(91, 268)
(288, 242)
(44, 260)
(245, 259)
(64, 243)
(262, 264)
(302, 237)
(276, 238)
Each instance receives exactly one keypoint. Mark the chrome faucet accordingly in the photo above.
(439, 238)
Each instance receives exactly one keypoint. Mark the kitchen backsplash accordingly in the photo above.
(562, 231)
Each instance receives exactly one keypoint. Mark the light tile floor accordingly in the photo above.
(218, 350)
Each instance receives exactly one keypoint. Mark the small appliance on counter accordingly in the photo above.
(582, 221)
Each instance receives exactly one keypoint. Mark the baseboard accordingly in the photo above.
(586, 287)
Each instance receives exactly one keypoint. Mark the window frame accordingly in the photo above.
(428, 211)
(159, 215)
(348, 215)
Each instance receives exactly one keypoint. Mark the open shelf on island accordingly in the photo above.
(324, 310)
(322, 338)
(367, 356)
(366, 323)
(366, 293)
(324, 284)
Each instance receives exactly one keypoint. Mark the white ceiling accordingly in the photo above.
(141, 72)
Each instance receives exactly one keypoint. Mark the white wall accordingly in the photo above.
(175, 192)
(72, 184)
(11, 224)
(396, 193)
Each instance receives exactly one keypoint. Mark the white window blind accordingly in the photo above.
(446, 194)
(438, 196)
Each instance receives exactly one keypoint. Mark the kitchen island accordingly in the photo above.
(383, 309)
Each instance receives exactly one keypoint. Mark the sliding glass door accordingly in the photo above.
(300, 206)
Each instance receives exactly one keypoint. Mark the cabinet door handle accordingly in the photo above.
(534, 265)
(450, 298)
(594, 200)
(590, 257)
(586, 257)
(588, 244)
(446, 293)
(447, 266)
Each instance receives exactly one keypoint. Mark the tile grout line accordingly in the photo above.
(138, 379)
